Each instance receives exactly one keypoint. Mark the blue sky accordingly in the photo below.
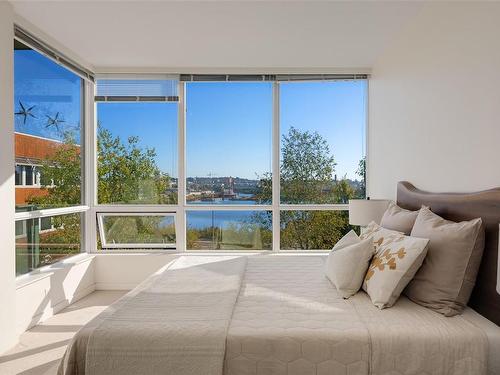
(228, 125)
(336, 110)
(154, 123)
(51, 89)
(228, 129)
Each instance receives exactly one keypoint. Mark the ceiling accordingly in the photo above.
(135, 35)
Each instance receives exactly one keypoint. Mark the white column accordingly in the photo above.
(8, 336)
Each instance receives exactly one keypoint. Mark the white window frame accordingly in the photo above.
(137, 245)
(182, 208)
(84, 207)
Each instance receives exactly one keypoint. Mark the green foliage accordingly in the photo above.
(361, 172)
(128, 173)
(306, 177)
(307, 167)
(138, 229)
(343, 191)
(64, 238)
(61, 177)
(312, 229)
(251, 234)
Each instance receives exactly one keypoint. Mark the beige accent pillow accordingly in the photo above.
(398, 219)
(397, 259)
(347, 263)
(448, 274)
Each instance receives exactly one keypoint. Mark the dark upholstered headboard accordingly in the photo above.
(466, 206)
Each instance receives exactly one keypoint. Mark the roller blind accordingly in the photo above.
(156, 89)
(270, 77)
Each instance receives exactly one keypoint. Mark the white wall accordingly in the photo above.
(43, 294)
(126, 271)
(435, 103)
(7, 241)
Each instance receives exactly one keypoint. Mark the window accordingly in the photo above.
(39, 245)
(137, 231)
(214, 163)
(322, 159)
(322, 141)
(48, 119)
(137, 141)
(19, 175)
(229, 230)
(46, 223)
(48, 124)
(228, 142)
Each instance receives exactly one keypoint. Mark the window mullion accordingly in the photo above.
(181, 175)
(90, 169)
(276, 167)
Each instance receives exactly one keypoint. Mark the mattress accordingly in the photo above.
(289, 319)
(282, 317)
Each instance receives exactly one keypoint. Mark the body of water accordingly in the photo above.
(220, 219)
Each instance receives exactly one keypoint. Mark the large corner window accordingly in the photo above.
(223, 163)
(49, 156)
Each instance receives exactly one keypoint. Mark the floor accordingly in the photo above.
(40, 349)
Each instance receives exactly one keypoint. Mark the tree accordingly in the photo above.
(307, 167)
(126, 173)
(61, 176)
(129, 174)
(343, 191)
(306, 176)
(361, 172)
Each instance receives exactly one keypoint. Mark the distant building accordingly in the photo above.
(30, 152)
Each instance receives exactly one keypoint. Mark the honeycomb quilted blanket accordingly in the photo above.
(289, 320)
(267, 315)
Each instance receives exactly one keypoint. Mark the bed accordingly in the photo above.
(278, 314)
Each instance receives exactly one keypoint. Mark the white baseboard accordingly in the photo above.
(114, 286)
(47, 313)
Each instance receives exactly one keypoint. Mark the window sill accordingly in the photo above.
(49, 270)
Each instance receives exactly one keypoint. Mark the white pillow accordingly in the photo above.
(348, 262)
(397, 259)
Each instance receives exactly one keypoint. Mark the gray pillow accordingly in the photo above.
(347, 263)
(398, 219)
(445, 281)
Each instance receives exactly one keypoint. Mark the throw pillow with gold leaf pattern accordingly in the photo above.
(397, 258)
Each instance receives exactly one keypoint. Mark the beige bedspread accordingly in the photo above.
(287, 320)
(174, 323)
